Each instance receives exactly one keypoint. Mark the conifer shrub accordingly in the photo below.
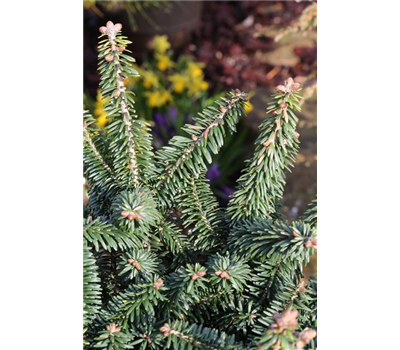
(164, 266)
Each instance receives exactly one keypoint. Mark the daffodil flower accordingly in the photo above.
(164, 62)
(161, 44)
(178, 81)
(158, 98)
(195, 69)
(248, 107)
(150, 79)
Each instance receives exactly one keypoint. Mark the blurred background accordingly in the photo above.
(188, 53)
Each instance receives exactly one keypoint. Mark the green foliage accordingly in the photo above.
(107, 236)
(262, 238)
(113, 339)
(91, 286)
(164, 266)
(182, 336)
(130, 141)
(139, 265)
(186, 286)
(185, 157)
(228, 272)
(206, 221)
(135, 211)
(127, 307)
(262, 182)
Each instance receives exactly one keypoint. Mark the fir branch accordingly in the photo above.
(91, 286)
(135, 211)
(283, 333)
(180, 334)
(200, 208)
(139, 265)
(239, 316)
(262, 183)
(170, 235)
(183, 157)
(228, 271)
(262, 238)
(310, 216)
(112, 338)
(127, 306)
(96, 170)
(88, 139)
(100, 233)
(130, 137)
(111, 30)
(185, 287)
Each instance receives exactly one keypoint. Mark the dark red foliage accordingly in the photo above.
(226, 42)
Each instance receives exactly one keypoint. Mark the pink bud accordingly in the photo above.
(112, 328)
(102, 30)
(137, 265)
(281, 89)
(165, 328)
(225, 275)
(136, 216)
(201, 273)
(295, 87)
(308, 243)
(158, 284)
(124, 213)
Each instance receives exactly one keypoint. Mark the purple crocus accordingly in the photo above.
(213, 172)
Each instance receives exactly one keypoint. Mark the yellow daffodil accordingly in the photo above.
(203, 86)
(102, 120)
(195, 78)
(161, 44)
(99, 110)
(150, 79)
(164, 62)
(178, 82)
(165, 97)
(197, 85)
(153, 98)
(195, 69)
(158, 98)
(248, 107)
